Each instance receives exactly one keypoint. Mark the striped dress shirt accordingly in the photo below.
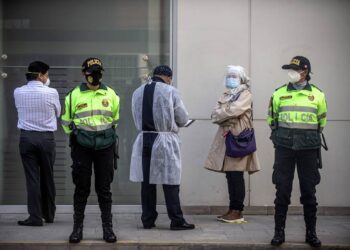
(38, 107)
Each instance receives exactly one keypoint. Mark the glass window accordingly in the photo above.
(130, 37)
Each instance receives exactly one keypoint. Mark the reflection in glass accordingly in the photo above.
(130, 37)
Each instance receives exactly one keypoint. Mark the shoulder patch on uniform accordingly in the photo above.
(281, 87)
(314, 86)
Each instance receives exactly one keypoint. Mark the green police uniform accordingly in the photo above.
(90, 116)
(297, 116)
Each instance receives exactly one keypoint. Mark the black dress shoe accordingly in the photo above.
(278, 238)
(183, 226)
(149, 226)
(311, 238)
(30, 222)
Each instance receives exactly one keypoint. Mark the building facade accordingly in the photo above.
(198, 38)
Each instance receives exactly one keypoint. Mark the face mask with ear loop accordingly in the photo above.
(293, 76)
(94, 78)
(46, 83)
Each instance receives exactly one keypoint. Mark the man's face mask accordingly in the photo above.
(47, 83)
(94, 78)
(44, 78)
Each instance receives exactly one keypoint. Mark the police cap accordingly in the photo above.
(298, 63)
(92, 64)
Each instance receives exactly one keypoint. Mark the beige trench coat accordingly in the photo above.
(234, 116)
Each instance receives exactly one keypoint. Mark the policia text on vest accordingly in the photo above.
(297, 117)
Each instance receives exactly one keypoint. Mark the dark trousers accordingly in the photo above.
(236, 189)
(149, 191)
(309, 177)
(38, 152)
(83, 159)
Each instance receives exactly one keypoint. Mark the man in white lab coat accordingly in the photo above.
(158, 113)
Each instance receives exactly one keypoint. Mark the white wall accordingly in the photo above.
(261, 36)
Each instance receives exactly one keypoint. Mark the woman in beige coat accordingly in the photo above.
(233, 113)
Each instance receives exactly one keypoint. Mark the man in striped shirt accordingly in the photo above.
(38, 107)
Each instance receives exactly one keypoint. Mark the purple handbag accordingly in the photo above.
(240, 145)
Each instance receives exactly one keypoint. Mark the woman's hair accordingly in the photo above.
(308, 77)
(35, 68)
(240, 71)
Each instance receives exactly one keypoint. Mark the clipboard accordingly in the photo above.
(189, 122)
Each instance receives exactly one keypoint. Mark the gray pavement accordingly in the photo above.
(334, 231)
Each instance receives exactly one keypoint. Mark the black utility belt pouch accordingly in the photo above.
(95, 140)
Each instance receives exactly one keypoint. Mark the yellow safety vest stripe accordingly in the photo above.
(91, 110)
(93, 113)
(282, 108)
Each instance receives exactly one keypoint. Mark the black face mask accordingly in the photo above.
(94, 78)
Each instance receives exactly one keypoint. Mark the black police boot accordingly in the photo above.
(107, 225)
(278, 238)
(310, 218)
(108, 234)
(77, 234)
(280, 222)
(311, 238)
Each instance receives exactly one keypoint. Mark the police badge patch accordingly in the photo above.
(311, 97)
(105, 103)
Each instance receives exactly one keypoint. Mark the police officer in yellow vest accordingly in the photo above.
(297, 115)
(90, 116)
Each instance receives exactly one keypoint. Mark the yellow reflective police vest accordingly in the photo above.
(297, 116)
(90, 111)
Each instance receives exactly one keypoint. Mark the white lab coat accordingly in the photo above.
(169, 113)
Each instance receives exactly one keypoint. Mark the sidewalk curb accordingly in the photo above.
(170, 245)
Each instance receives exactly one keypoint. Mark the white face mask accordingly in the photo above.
(293, 76)
(47, 83)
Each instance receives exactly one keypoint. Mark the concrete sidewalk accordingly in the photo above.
(334, 231)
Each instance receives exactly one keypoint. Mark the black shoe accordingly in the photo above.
(183, 226)
(278, 238)
(108, 234)
(149, 226)
(77, 234)
(312, 239)
(30, 222)
(47, 220)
